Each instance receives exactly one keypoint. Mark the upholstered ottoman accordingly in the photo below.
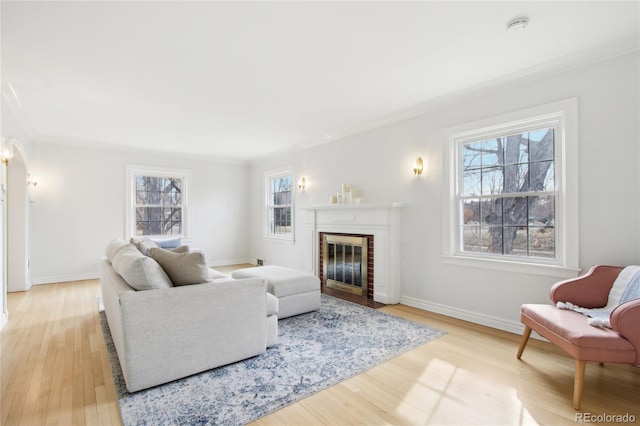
(297, 292)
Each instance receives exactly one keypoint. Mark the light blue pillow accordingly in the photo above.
(168, 243)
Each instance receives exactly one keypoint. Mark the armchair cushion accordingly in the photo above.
(570, 331)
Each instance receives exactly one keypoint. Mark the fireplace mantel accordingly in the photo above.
(361, 206)
(382, 220)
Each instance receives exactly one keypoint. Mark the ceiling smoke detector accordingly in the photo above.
(518, 25)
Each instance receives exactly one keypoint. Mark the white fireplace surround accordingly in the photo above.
(382, 220)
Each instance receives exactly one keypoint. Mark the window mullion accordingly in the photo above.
(507, 195)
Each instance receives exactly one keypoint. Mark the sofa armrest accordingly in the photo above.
(625, 319)
(590, 290)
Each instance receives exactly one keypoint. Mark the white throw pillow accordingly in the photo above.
(145, 245)
(183, 268)
(139, 271)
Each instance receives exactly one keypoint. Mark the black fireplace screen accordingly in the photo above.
(345, 263)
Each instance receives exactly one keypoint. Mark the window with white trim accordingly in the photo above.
(157, 201)
(279, 191)
(509, 184)
(507, 193)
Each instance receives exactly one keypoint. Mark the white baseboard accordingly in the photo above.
(65, 278)
(463, 314)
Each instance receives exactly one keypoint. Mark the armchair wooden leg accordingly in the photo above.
(523, 342)
(578, 382)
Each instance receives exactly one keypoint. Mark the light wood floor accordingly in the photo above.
(54, 370)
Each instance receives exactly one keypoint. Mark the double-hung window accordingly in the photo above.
(512, 185)
(157, 201)
(279, 192)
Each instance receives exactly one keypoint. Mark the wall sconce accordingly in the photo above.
(418, 167)
(6, 149)
(31, 181)
(302, 184)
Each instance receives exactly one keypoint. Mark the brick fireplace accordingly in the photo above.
(380, 223)
(369, 263)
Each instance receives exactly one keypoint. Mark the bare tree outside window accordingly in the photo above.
(159, 205)
(508, 195)
(280, 205)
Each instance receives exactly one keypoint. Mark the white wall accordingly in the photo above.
(17, 224)
(3, 249)
(378, 163)
(80, 206)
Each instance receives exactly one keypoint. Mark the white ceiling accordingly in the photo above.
(240, 80)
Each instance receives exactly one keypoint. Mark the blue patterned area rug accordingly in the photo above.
(314, 351)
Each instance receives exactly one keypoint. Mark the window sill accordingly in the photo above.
(555, 271)
(281, 240)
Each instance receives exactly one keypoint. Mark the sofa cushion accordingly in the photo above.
(216, 274)
(113, 247)
(281, 281)
(139, 271)
(183, 268)
(272, 304)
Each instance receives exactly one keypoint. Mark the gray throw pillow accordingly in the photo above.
(139, 271)
(183, 268)
(180, 249)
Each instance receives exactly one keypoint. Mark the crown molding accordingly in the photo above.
(603, 52)
(600, 53)
(83, 143)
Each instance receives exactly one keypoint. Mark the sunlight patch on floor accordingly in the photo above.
(447, 394)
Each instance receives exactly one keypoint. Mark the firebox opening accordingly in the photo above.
(345, 263)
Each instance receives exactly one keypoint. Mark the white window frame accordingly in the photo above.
(563, 116)
(133, 170)
(268, 177)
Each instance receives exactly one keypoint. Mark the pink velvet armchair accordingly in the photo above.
(570, 331)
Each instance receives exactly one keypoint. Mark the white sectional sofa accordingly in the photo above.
(297, 292)
(168, 332)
